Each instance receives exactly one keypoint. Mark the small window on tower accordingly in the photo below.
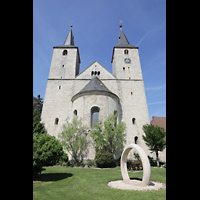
(65, 52)
(125, 51)
(136, 139)
(56, 121)
(133, 120)
(75, 114)
(123, 68)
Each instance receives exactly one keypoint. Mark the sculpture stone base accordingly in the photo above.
(120, 184)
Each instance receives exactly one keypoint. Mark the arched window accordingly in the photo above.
(133, 120)
(65, 52)
(75, 113)
(56, 120)
(136, 139)
(94, 116)
(96, 73)
(125, 51)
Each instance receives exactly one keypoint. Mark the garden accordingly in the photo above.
(57, 177)
(91, 183)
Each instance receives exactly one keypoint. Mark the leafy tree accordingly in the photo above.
(108, 136)
(37, 103)
(73, 139)
(155, 139)
(47, 150)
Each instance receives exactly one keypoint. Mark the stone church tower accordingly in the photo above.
(95, 93)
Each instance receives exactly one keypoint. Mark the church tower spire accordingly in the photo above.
(125, 59)
(123, 41)
(70, 38)
(65, 60)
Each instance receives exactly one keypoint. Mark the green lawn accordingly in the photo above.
(85, 184)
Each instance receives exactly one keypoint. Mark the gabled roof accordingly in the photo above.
(94, 86)
(104, 72)
(160, 121)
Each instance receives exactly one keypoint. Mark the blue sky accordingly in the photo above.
(96, 31)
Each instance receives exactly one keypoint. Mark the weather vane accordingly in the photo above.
(120, 23)
(71, 23)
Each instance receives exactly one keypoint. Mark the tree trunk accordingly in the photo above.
(157, 159)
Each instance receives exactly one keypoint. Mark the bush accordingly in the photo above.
(47, 150)
(90, 163)
(104, 159)
(64, 157)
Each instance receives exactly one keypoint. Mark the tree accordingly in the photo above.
(73, 139)
(108, 136)
(47, 150)
(155, 139)
(37, 126)
(37, 103)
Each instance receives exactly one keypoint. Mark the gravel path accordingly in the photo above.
(124, 186)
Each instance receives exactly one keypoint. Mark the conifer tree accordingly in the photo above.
(38, 127)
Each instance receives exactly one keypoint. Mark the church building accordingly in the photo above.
(95, 93)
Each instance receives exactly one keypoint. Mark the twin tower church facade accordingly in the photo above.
(95, 93)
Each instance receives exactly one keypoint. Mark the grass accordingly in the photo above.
(85, 183)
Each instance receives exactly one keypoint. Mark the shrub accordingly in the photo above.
(164, 165)
(64, 157)
(47, 150)
(90, 163)
(104, 159)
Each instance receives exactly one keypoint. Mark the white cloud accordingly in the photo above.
(158, 87)
(152, 30)
(157, 102)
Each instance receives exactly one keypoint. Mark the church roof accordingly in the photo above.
(94, 85)
(123, 41)
(70, 38)
(69, 41)
(160, 121)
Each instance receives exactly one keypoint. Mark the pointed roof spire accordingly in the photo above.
(70, 38)
(123, 41)
(69, 42)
